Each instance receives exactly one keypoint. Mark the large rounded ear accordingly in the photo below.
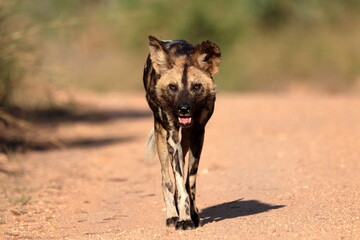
(159, 55)
(206, 56)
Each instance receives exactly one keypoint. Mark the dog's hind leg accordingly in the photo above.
(196, 143)
(183, 201)
(167, 185)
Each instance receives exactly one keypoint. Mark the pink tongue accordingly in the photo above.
(185, 120)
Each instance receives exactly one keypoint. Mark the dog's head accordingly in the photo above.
(185, 77)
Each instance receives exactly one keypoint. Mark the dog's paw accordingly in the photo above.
(185, 225)
(195, 218)
(171, 221)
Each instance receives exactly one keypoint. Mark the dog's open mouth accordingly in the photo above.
(184, 121)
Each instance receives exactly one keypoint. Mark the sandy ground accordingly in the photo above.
(280, 166)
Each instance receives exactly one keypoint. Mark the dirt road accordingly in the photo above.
(283, 166)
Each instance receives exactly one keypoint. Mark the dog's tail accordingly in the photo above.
(150, 149)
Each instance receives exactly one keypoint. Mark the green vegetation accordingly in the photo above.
(18, 57)
(16, 195)
(102, 44)
(10, 70)
(20, 200)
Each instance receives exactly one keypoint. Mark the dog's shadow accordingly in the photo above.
(234, 209)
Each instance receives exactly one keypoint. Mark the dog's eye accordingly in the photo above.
(173, 87)
(197, 86)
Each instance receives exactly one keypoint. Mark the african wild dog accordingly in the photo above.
(178, 79)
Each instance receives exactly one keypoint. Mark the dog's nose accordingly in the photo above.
(184, 108)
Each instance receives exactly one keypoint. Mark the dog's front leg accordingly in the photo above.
(167, 185)
(177, 162)
(196, 144)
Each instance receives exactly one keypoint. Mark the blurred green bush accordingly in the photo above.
(266, 44)
(10, 71)
(18, 58)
